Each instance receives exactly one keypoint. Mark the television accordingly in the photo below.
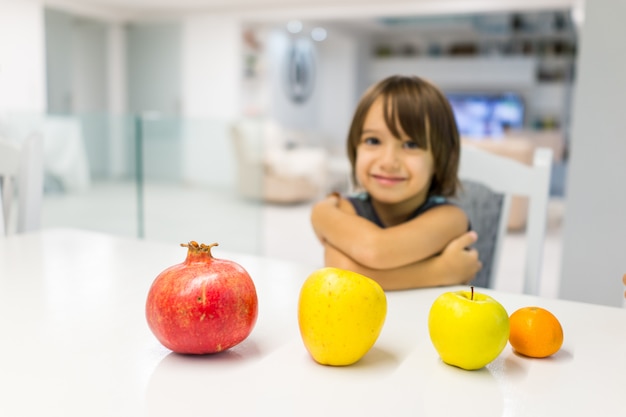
(487, 115)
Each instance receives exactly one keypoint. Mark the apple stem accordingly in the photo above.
(472, 287)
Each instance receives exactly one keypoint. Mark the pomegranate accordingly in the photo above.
(202, 305)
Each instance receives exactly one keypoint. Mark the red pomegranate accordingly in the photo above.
(202, 305)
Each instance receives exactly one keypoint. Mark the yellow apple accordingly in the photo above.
(468, 329)
(340, 315)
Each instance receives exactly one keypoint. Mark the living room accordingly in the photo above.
(201, 99)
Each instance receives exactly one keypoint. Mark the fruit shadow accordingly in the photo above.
(471, 388)
(378, 358)
(515, 366)
(563, 355)
(180, 383)
(243, 352)
(189, 365)
(507, 366)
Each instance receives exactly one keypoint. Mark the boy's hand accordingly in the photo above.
(332, 200)
(461, 261)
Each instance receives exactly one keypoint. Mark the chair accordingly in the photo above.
(21, 166)
(274, 165)
(489, 182)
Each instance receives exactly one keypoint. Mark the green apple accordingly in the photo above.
(468, 329)
(340, 315)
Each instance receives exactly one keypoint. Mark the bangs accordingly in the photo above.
(404, 113)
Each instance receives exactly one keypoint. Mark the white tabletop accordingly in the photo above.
(74, 342)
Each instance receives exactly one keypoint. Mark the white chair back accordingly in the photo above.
(512, 178)
(21, 174)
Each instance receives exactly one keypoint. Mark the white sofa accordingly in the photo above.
(278, 165)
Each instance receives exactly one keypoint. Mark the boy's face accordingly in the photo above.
(392, 170)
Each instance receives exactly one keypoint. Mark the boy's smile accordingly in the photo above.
(386, 180)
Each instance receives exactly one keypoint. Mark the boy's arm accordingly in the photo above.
(455, 265)
(335, 222)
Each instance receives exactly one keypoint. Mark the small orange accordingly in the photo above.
(535, 332)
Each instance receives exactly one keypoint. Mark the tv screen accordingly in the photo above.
(480, 115)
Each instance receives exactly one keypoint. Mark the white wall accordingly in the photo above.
(89, 66)
(22, 57)
(328, 111)
(212, 74)
(77, 69)
(339, 57)
(117, 87)
(212, 91)
(212, 66)
(594, 240)
(154, 52)
(211, 79)
(187, 71)
(59, 35)
(488, 73)
(282, 109)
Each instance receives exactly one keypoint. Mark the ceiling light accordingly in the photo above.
(294, 26)
(318, 34)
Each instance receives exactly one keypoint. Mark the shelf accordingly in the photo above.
(476, 72)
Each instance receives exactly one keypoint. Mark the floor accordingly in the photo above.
(171, 212)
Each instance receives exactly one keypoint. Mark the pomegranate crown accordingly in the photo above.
(199, 247)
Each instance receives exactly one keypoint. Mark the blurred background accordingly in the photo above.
(225, 120)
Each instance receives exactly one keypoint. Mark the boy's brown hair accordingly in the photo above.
(422, 111)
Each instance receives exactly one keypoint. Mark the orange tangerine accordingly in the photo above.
(535, 332)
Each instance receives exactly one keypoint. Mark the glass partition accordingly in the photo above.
(147, 176)
(187, 185)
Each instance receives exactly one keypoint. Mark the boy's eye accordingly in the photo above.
(409, 144)
(370, 141)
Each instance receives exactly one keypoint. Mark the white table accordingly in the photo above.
(74, 342)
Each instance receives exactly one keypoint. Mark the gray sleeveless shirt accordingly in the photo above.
(362, 203)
